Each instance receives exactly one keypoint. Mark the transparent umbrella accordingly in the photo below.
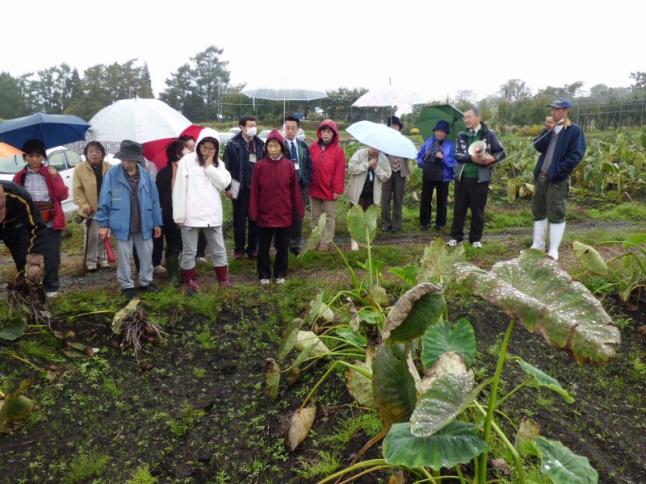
(283, 94)
(390, 96)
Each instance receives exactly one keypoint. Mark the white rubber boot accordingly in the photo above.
(540, 231)
(556, 235)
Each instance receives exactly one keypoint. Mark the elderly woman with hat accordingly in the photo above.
(436, 158)
(129, 207)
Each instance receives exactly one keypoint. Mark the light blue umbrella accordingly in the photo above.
(382, 138)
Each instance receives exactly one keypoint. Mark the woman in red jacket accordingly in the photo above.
(274, 196)
(328, 178)
(48, 190)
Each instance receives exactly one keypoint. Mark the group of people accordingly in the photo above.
(269, 184)
(561, 145)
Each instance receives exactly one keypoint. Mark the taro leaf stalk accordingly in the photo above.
(534, 290)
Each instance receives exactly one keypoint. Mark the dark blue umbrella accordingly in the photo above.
(51, 129)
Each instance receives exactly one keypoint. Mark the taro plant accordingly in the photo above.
(625, 273)
(15, 407)
(435, 420)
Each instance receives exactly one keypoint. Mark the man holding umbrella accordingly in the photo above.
(22, 231)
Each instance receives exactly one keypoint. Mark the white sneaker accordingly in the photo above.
(280, 280)
(353, 245)
(90, 267)
(159, 270)
(477, 245)
(452, 243)
(104, 264)
(51, 294)
(264, 282)
(202, 260)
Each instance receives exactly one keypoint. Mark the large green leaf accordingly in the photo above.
(318, 309)
(413, 312)
(457, 443)
(543, 297)
(564, 466)
(393, 386)
(589, 258)
(437, 262)
(442, 337)
(542, 379)
(448, 396)
(14, 330)
(360, 223)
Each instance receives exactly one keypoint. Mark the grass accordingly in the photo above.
(86, 464)
(142, 475)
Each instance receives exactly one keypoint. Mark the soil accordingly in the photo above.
(194, 409)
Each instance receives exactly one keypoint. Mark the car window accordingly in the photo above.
(57, 160)
(11, 164)
(73, 158)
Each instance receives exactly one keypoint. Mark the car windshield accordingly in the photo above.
(11, 164)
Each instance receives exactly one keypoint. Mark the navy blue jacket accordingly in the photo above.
(236, 159)
(570, 148)
(304, 171)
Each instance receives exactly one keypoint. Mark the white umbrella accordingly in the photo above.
(390, 97)
(140, 120)
(382, 138)
(283, 94)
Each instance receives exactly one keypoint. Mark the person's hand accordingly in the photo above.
(549, 123)
(157, 232)
(34, 268)
(372, 162)
(228, 194)
(488, 160)
(336, 195)
(439, 155)
(86, 211)
(103, 232)
(51, 170)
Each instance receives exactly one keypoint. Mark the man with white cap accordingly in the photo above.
(561, 146)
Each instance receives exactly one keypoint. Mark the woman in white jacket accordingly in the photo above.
(197, 206)
(368, 169)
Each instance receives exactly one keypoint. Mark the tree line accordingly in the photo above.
(202, 91)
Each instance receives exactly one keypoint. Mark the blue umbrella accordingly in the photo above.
(51, 129)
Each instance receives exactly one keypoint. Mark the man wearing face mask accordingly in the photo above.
(240, 157)
(561, 146)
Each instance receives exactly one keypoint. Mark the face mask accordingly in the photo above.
(251, 131)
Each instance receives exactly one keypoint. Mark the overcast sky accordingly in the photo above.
(435, 48)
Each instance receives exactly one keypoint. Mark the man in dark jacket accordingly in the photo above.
(22, 230)
(240, 157)
(472, 176)
(561, 146)
(299, 153)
